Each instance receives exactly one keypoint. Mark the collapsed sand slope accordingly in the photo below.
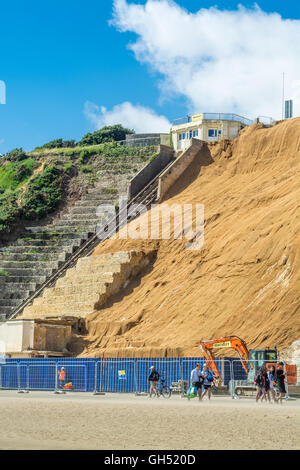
(245, 280)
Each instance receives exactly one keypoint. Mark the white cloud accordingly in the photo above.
(139, 118)
(219, 61)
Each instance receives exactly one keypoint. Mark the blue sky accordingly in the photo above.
(55, 56)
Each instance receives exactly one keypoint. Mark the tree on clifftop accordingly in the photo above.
(106, 134)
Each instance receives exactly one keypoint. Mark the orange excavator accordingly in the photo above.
(251, 361)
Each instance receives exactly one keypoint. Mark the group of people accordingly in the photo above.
(202, 380)
(267, 380)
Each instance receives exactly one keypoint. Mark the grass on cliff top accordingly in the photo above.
(15, 174)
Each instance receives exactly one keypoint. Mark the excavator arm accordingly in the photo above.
(233, 342)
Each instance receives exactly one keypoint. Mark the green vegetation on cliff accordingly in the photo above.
(33, 184)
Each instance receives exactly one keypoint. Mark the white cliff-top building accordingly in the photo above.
(206, 126)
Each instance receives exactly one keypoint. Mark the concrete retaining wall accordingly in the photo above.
(166, 155)
(168, 178)
(143, 140)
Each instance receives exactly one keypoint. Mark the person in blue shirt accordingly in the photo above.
(207, 381)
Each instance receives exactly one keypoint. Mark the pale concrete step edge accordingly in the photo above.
(105, 259)
(72, 289)
(65, 282)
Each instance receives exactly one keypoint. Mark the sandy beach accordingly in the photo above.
(43, 420)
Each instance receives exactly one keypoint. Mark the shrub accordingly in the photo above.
(85, 154)
(9, 210)
(86, 168)
(106, 134)
(43, 193)
(16, 155)
(57, 143)
(70, 169)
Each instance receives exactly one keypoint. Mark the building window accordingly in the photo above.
(195, 133)
(212, 132)
(190, 134)
(220, 132)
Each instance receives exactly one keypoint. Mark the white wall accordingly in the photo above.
(17, 336)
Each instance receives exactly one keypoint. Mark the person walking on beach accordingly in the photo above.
(197, 379)
(153, 379)
(271, 377)
(207, 381)
(266, 382)
(260, 385)
(280, 381)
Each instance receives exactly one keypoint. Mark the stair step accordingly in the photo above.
(66, 282)
(90, 203)
(12, 284)
(30, 265)
(55, 236)
(6, 310)
(84, 209)
(67, 299)
(90, 271)
(81, 309)
(37, 250)
(15, 294)
(99, 198)
(55, 244)
(10, 302)
(80, 222)
(71, 289)
(60, 230)
(85, 218)
(24, 257)
(28, 273)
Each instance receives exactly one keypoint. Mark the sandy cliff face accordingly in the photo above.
(244, 281)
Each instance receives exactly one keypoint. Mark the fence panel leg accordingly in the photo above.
(96, 391)
(287, 385)
(95, 378)
(181, 379)
(18, 378)
(232, 380)
(56, 374)
(136, 378)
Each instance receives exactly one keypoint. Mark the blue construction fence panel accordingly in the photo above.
(106, 375)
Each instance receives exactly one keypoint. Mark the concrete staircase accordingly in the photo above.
(87, 286)
(27, 263)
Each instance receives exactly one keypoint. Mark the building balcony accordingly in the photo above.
(213, 117)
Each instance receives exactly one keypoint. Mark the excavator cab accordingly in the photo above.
(258, 358)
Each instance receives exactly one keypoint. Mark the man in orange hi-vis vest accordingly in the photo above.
(61, 378)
